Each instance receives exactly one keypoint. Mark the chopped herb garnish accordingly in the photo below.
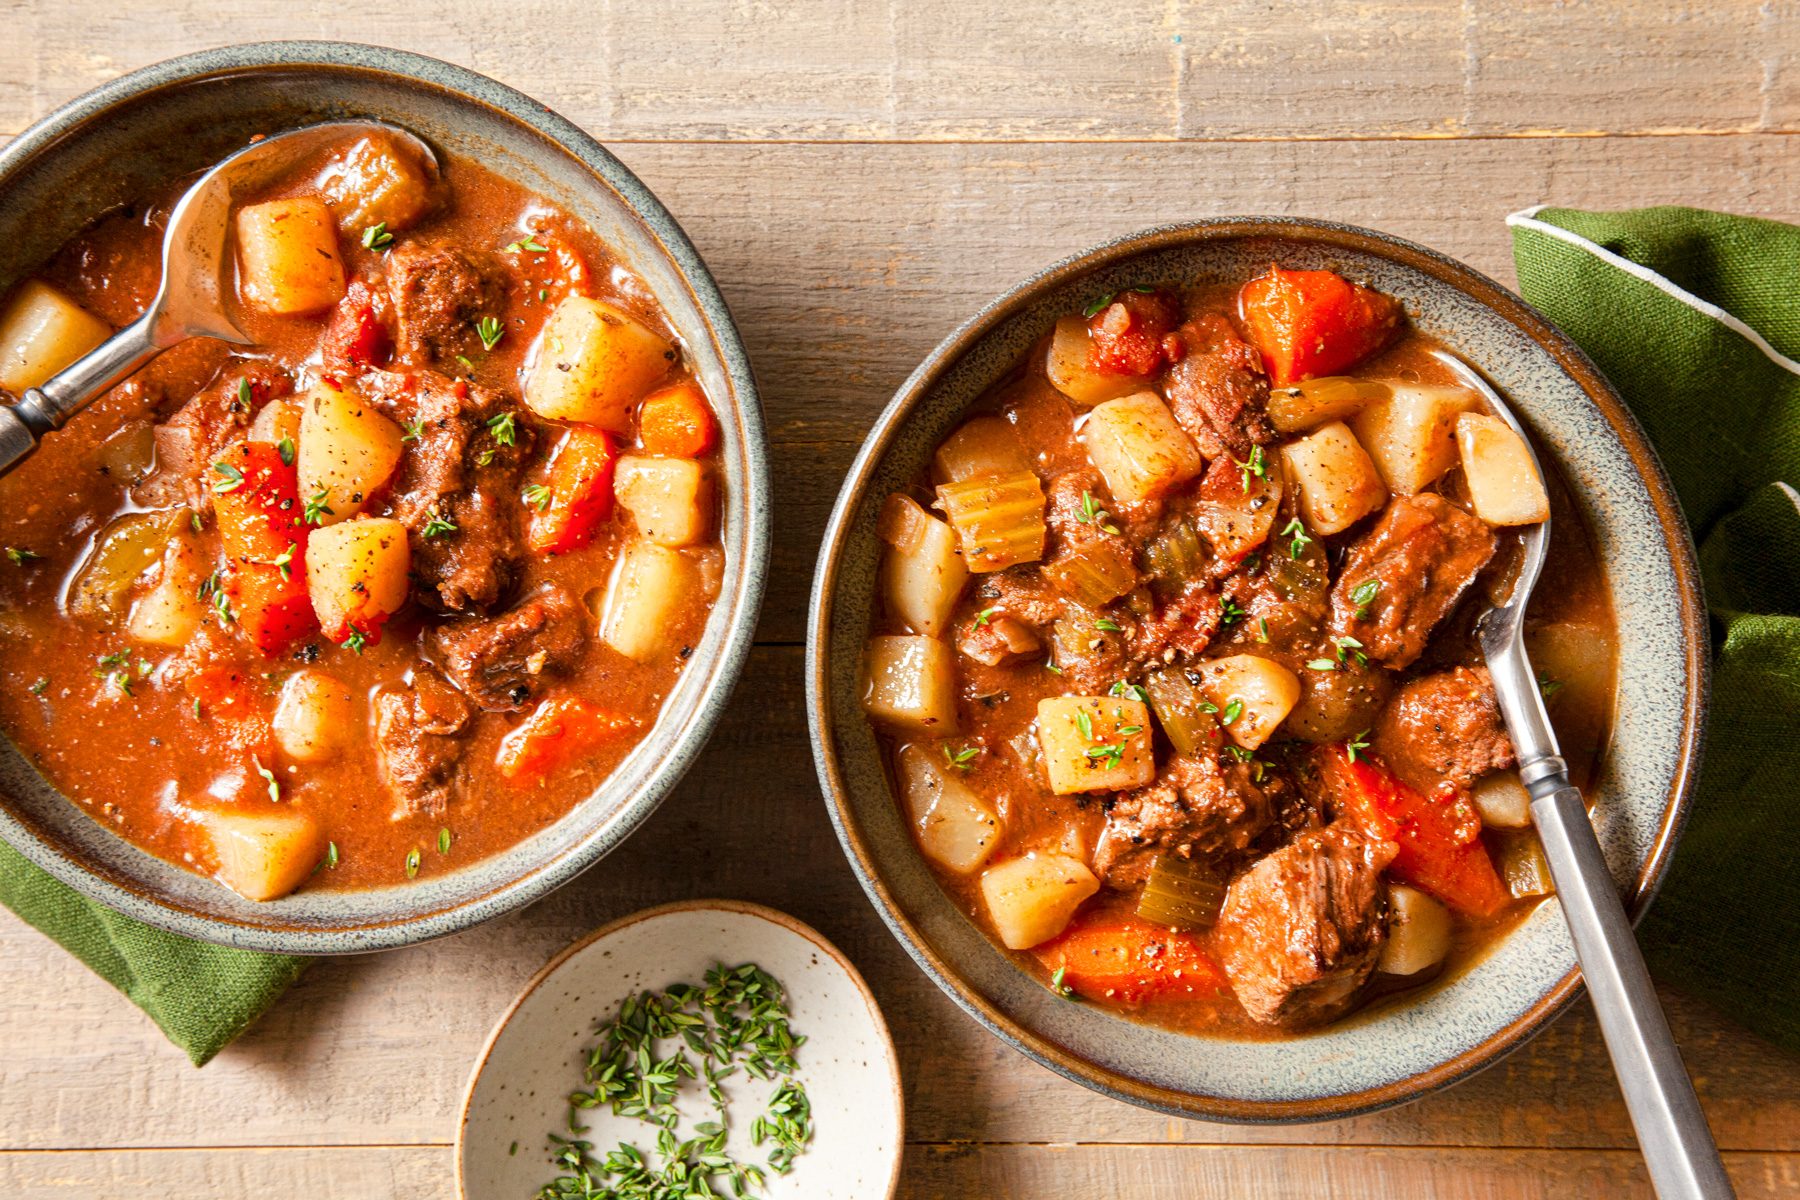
(331, 856)
(538, 496)
(1129, 691)
(356, 640)
(466, 364)
(1296, 533)
(963, 759)
(315, 510)
(1262, 629)
(39, 685)
(269, 778)
(1107, 625)
(1239, 753)
(1059, 987)
(284, 560)
(528, 242)
(1256, 466)
(504, 429)
(983, 617)
(1207, 706)
(222, 606)
(232, 480)
(377, 237)
(1322, 664)
(436, 526)
(412, 862)
(1052, 667)
(1084, 723)
(412, 429)
(490, 331)
(20, 555)
(1097, 305)
(1109, 756)
(285, 448)
(1090, 513)
(1548, 686)
(443, 839)
(1363, 595)
(1353, 646)
(1230, 612)
(1233, 710)
(1359, 742)
(194, 520)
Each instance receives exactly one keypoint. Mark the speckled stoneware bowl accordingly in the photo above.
(1393, 1053)
(133, 135)
(518, 1092)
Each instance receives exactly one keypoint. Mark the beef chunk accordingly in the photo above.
(421, 734)
(1301, 930)
(997, 640)
(439, 291)
(1422, 554)
(188, 443)
(1198, 807)
(460, 471)
(1444, 729)
(1218, 391)
(499, 662)
(1179, 627)
(358, 334)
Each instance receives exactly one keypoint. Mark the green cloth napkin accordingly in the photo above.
(1695, 317)
(201, 995)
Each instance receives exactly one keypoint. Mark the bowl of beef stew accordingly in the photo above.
(414, 607)
(1142, 673)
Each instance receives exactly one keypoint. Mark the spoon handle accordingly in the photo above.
(44, 408)
(1671, 1129)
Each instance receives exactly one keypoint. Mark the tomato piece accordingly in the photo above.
(578, 492)
(228, 703)
(1441, 849)
(558, 731)
(1117, 956)
(264, 536)
(676, 421)
(1309, 323)
(356, 336)
(1132, 334)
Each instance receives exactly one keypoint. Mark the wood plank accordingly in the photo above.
(376, 1049)
(932, 1172)
(819, 70)
(839, 301)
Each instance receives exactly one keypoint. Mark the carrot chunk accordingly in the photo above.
(676, 421)
(1311, 323)
(1116, 956)
(576, 498)
(559, 730)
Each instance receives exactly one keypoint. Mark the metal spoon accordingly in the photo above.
(192, 299)
(1671, 1130)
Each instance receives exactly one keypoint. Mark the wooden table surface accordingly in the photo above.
(860, 178)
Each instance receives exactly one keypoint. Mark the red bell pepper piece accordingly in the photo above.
(1441, 850)
(1117, 956)
(559, 730)
(676, 421)
(356, 336)
(263, 531)
(577, 495)
(1311, 323)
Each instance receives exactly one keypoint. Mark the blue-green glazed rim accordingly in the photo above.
(126, 138)
(1393, 1052)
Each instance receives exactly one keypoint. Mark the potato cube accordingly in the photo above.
(649, 587)
(1139, 448)
(170, 612)
(376, 182)
(276, 420)
(1069, 367)
(1337, 484)
(288, 260)
(347, 449)
(921, 573)
(1502, 800)
(356, 574)
(263, 854)
(1095, 743)
(1032, 899)
(1419, 930)
(1504, 486)
(668, 498)
(1411, 435)
(1253, 695)
(910, 682)
(593, 363)
(41, 332)
(315, 717)
(956, 828)
(980, 449)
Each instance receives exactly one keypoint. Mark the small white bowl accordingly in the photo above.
(518, 1093)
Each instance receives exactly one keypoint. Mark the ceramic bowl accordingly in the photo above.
(1393, 1053)
(518, 1093)
(133, 135)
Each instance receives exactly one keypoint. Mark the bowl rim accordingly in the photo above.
(1490, 294)
(741, 596)
(747, 908)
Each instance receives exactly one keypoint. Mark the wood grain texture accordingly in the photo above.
(822, 70)
(861, 176)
